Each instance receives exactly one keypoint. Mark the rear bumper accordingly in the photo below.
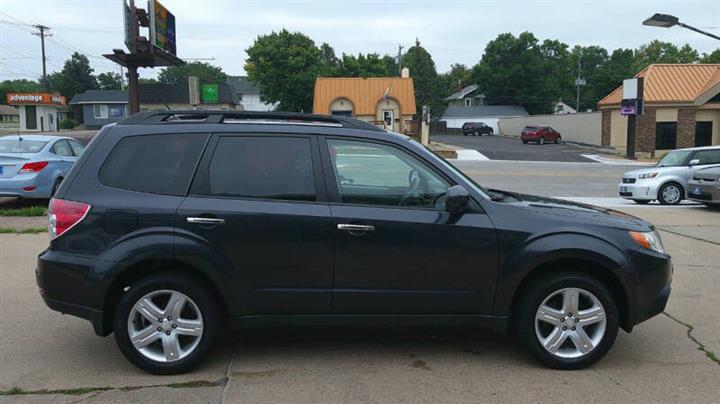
(13, 187)
(707, 192)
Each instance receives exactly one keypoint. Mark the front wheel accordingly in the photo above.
(166, 324)
(542, 140)
(567, 320)
(525, 142)
(477, 133)
(671, 194)
(558, 140)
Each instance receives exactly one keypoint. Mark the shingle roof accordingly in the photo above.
(100, 96)
(672, 83)
(241, 84)
(486, 111)
(364, 93)
(462, 93)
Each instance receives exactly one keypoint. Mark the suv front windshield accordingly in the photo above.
(674, 158)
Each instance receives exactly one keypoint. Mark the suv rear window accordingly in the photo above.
(159, 164)
(263, 167)
(530, 128)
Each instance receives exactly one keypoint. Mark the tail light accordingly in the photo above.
(63, 215)
(33, 167)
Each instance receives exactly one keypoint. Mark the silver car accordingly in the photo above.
(667, 182)
(32, 166)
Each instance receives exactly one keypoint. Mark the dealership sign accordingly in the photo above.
(162, 27)
(632, 100)
(35, 99)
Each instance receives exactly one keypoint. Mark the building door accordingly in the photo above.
(389, 118)
(703, 133)
(30, 117)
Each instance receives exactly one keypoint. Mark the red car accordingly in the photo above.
(540, 134)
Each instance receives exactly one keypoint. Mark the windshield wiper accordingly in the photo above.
(505, 193)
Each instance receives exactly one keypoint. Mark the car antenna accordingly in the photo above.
(20, 138)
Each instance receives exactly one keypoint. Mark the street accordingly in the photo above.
(671, 357)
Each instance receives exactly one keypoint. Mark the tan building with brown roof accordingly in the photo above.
(681, 109)
(384, 101)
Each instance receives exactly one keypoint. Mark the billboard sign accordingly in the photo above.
(127, 20)
(632, 100)
(210, 94)
(162, 27)
(35, 99)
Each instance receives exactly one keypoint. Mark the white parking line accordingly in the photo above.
(470, 154)
(624, 203)
(615, 161)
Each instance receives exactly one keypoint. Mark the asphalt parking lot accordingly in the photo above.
(511, 148)
(670, 358)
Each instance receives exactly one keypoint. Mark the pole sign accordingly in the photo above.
(210, 94)
(162, 27)
(632, 101)
(127, 20)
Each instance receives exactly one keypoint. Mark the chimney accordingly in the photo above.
(194, 90)
(405, 73)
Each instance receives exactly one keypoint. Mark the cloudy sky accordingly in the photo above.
(452, 31)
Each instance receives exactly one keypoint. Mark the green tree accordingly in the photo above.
(712, 57)
(110, 81)
(459, 77)
(663, 52)
(143, 80)
(425, 79)
(17, 86)
(285, 66)
(205, 72)
(592, 59)
(75, 77)
(618, 67)
(391, 66)
(329, 60)
(370, 65)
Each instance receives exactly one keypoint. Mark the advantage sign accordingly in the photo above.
(162, 27)
(210, 94)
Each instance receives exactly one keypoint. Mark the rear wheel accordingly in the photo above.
(641, 201)
(567, 320)
(542, 140)
(671, 194)
(55, 187)
(166, 324)
(477, 133)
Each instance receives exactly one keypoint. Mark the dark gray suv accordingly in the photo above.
(174, 224)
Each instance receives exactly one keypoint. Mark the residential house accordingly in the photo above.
(467, 97)
(248, 94)
(384, 101)
(681, 109)
(9, 117)
(561, 108)
(455, 117)
(101, 107)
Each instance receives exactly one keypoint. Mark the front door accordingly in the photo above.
(257, 200)
(396, 248)
(389, 118)
(30, 117)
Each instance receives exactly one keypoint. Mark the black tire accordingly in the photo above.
(541, 141)
(491, 132)
(55, 187)
(477, 133)
(540, 289)
(558, 140)
(641, 201)
(661, 194)
(525, 142)
(191, 288)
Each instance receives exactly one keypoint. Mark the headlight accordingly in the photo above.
(648, 175)
(649, 240)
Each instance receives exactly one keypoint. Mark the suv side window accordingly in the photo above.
(707, 156)
(263, 167)
(61, 148)
(376, 174)
(159, 164)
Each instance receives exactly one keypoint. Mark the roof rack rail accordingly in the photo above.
(246, 117)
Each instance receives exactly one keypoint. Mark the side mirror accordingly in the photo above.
(457, 200)
(694, 162)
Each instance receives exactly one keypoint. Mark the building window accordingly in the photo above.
(468, 102)
(100, 111)
(665, 135)
(116, 111)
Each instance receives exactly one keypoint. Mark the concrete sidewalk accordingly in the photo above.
(660, 361)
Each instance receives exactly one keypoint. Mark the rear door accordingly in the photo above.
(259, 201)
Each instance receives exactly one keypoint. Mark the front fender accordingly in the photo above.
(524, 260)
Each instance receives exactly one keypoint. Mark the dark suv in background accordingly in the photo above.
(174, 224)
(476, 128)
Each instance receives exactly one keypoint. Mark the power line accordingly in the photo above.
(42, 34)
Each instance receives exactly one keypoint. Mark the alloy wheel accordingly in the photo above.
(165, 326)
(570, 323)
(671, 194)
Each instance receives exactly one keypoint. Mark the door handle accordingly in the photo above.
(357, 228)
(205, 220)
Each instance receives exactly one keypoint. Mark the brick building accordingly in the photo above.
(682, 109)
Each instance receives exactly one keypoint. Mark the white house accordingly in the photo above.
(466, 97)
(248, 94)
(562, 108)
(455, 117)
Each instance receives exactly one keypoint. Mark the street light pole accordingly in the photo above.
(667, 21)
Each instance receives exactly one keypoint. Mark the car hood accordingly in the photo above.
(636, 173)
(581, 213)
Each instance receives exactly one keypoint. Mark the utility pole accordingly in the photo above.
(42, 34)
(400, 48)
(579, 82)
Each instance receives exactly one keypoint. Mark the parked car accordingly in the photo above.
(539, 134)
(32, 166)
(667, 182)
(476, 128)
(175, 223)
(705, 186)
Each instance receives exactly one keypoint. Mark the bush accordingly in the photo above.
(68, 123)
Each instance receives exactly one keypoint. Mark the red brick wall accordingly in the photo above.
(605, 129)
(645, 131)
(686, 128)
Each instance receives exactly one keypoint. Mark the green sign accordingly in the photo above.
(210, 94)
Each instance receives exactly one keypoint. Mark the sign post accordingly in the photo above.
(632, 106)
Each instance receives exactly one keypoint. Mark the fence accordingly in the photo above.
(583, 128)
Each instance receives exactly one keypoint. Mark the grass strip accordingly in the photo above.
(32, 230)
(78, 391)
(29, 211)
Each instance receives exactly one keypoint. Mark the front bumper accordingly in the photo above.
(705, 192)
(653, 279)
(645, 190)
